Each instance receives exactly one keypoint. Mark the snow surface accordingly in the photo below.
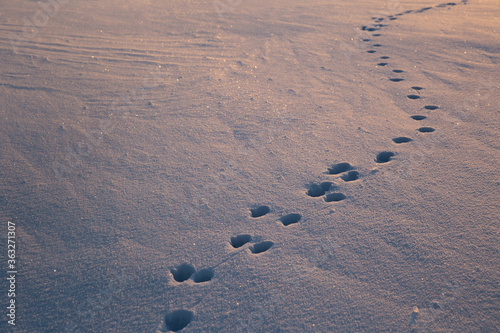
(139, 138)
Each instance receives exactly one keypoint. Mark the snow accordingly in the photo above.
(138, 136)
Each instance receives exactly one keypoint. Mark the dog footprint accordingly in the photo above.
(261, 247)
(413, 96)
(397, 80)
(418, 117)
(398, 71)
(431, 107)
(260, 211)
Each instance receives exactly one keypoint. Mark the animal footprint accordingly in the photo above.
(339, 168)
(431, 107)
(384, 57)
(417, 88)
(260, 211)
(423, 10)
(418, 117)
(396, 80)
(398, 71)
(290, 219)
(318, 190)
(401, 139)
(413, 96)
(333, 197)
(176, 320)
(182, 272)
(382, 64)
(240, 240)
(426, 129)
(384, 157)
(203, 275)
(261, 247)
(369, 29)
(350, 176)
(371, 51)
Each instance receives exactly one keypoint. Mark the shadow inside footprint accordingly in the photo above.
(417, 88)
(396, 80)
(177, 320)
(339, 168)
(402, 139)
(182, 272)
(418, 117)
(203, 275)
(423, 10)
(260, 211)
(350, 176)
(426, 129)
(397, 71)
(318, 190)
(371, 51)
(431, 107)
(240, 240)
(413, 96)
(384, 57)
(333, 197)
(290, 219)
(261, 247)
(382, 64)
(384, 157)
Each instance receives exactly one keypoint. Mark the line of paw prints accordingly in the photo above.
(177, 320)
(385, 156)
(186, 273)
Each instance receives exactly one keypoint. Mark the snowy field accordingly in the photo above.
(250, 166)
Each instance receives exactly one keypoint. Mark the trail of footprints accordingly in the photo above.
(384, 157)
(328, 191)
(179, 319)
